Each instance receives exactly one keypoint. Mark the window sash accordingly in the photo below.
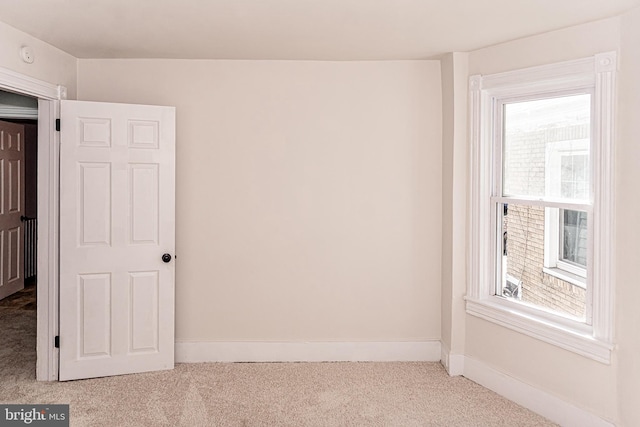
(496, 231)
(548, 203)
(498, 136)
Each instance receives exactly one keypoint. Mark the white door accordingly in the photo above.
(11, 208)
(117, 222)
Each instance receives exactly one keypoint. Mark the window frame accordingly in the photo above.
(592, 338)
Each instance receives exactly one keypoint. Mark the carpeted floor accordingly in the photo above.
(256, 394)
(24, 299)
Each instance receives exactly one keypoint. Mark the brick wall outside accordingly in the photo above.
(525, 259)
(524, 157)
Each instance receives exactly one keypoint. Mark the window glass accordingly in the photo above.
(523, 275)
(545, 148)
(574, 176)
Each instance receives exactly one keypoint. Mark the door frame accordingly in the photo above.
(48, 95)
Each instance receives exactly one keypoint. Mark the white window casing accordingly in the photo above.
(592, 337)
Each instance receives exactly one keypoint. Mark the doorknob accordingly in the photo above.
(166, 258)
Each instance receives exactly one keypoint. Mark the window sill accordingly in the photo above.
(566, 276)
(565, 333)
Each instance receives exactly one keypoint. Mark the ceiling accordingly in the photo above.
(292, 29)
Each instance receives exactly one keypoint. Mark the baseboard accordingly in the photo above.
(540, 402)
(453, 363)
(198, 351)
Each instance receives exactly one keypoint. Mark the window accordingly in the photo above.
(543, 144)
(542, 187)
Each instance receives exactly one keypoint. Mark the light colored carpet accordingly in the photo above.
(257, 394)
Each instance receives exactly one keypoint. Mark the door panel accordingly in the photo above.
(95, 311)
(144, 187)
(117, 219)
(144, 288)
(11, 208)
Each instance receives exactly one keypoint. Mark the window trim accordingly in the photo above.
(593, 339)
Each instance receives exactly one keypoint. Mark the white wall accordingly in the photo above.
(587, 384)
(555, 46)
(454, 206)
(448, 123)
(307, 194)
(627, 222)
(51, 64)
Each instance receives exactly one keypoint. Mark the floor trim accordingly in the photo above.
(199, 351)
(453, 363)
(540, 402)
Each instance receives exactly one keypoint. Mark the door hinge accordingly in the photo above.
(56, 341)
(58, 125)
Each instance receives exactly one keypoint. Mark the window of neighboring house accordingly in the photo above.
(573, 240)
(574, 181)
(568, 177)
(541, 202)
